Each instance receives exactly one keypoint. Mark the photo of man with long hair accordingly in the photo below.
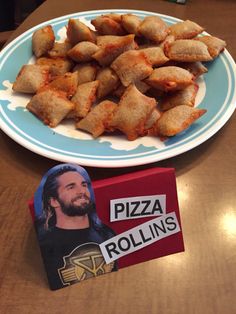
(68, 227)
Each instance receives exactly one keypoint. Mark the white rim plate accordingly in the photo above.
(64, 143)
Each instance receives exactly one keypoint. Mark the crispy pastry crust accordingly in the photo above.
(133, 110)
(132, 66)
(84, 98)
(31, 78)
(98, 118)
(51, 106)
(187, 50)
(177, 119)
(170, 78)
(43, 40)
(185, 30)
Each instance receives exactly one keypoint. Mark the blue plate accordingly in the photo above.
(64, 143)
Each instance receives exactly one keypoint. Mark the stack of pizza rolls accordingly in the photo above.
(127, 74)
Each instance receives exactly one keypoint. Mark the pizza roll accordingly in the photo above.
(111, 47)
(114, 16)
(215, 45)
(43, 40)
(169, 39)
(140, 85)
(196, 68)
(86, 72)
(84, 99)
(177, 119)
(57, 66)
(51, 106)
(131, 23)
(59, 50)
(155, 56)
(170, 78)
(116, 41)
(67, 83)
(152, 120)
(96, 120)
(31, 78)
(185, 96)
(132, 112)
(154, 28)
(185, 30)
(132, 66)
(187, 50)
(108, 82)
(78, 31)
(106, 25)
(83, 51)
(119, 91)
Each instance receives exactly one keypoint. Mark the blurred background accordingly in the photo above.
(13, 13)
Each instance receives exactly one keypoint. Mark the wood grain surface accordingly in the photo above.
(202, 279)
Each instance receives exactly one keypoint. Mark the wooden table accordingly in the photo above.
(202, 279)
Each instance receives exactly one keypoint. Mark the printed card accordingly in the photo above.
(86, 229)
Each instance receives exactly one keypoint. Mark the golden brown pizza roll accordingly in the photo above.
(215, 45)
(106, 25)
(112, 46)
(185, 30)
(116, 41)
(152, 120)
(43, 40)
(78, 31)
(86, 72)
(187, 50)
(185, 96)
(177, 119)
(59, 50)
(131, 23)
(155, 56)
(83, 51)
(50, 106)
(133, 110)
(169, 39)
(170, 78)
(67, 83)
(140, 85)
(132, 66)
(83, 99)
(31, 78)
(154, 28)
(57, 66)
(108, 82)
(119, 91)
(96, 120)
(196, 68)
(114, 16)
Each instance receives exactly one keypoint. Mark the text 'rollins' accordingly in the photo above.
(136, 238)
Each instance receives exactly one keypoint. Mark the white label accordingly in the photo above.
(137, 207)
(139, 237)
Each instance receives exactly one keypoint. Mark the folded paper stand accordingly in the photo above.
(135, 218)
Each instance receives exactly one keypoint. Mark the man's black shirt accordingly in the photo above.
(74, 255)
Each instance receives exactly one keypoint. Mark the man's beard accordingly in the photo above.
(76, 210)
